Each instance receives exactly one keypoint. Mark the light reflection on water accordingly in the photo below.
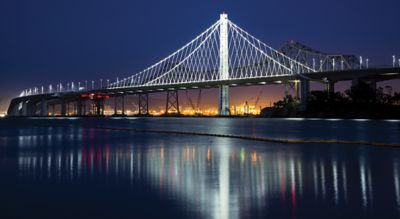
(218, 177)
(218, 180)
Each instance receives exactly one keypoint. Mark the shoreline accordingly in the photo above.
(200, 117)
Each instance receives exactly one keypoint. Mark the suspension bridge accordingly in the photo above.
(222, 56)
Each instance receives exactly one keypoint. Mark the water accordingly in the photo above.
(74, 168)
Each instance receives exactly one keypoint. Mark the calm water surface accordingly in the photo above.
(74, 168)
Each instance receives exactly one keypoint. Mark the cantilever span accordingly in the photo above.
(223, 55)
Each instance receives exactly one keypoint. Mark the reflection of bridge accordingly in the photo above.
(222, 56)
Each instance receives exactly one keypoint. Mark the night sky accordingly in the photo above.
(43, 42)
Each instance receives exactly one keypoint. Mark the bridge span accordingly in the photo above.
(223, 56)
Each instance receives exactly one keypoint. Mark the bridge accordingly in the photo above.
(222, 56)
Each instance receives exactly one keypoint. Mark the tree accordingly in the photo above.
(362, 93)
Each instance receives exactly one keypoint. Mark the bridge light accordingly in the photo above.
(342, 64)
(394, 61)
(333, 64)
(366, 62)
(320, 65)
(313, 63)
(361, 62)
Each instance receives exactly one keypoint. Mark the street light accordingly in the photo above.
(86, 85)
(366, 61)
(108, 82)
(92, 85)
(361, 62)
(101, 83)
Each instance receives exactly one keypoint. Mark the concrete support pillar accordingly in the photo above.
(24, 109)
(99, 107)
(330, 87)
(79, 107)
(304, 92)
(63, 108)
(286, 89)
(53, 109)
(44, 108)
(13, 109)
(123, 104)
(31, 108)
(143, 104)
(297, 89)
(84, 107)
(115, 105)
(102, 107)
(224, 101)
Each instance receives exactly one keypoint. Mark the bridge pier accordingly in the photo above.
(24, 109)
(172, 102)
(99, 107)
(330, 88)
(28, 108)
(63, 108)
(79, 107)
(224, 101)
(13, 109)
(304, 92)
(53, 109)
(223, 71)
(143, 104)
(122, 105)
(84, 108)
(297, 89)
(44, 108)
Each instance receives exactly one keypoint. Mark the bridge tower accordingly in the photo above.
(223, 66)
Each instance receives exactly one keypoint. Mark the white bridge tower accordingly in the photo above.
(223, 66)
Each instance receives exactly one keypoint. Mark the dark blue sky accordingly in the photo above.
(44, 42)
